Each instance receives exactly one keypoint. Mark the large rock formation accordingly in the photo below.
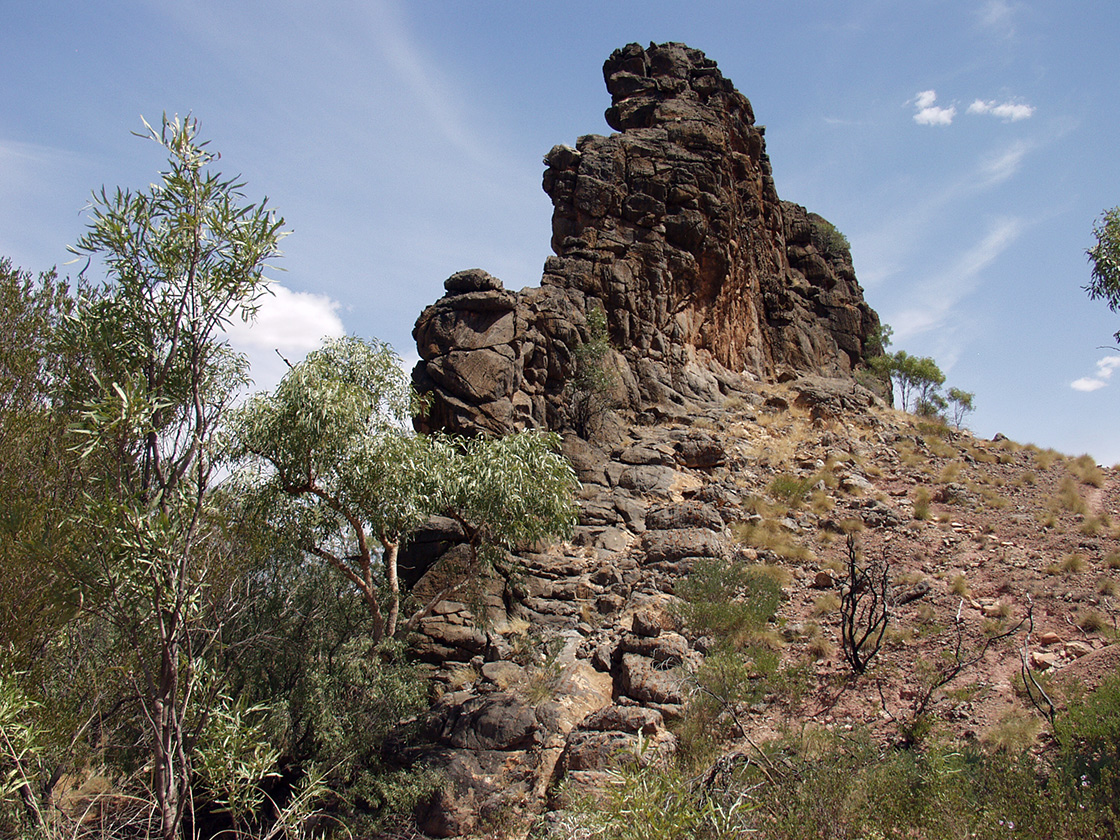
(672, 232)
(674, 228)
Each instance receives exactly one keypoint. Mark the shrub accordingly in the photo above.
(791, 489)
(1089, 735)
(638, 803)
(832, 239)
(728, 601)
(591, 389)
(864, 608)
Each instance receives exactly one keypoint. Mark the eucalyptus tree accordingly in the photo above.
(332, 465)
(918, 378)
(963, 404)
(37, 476)
(182, 259)
(1105, 259)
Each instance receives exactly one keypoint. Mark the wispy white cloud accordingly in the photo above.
(1006, 111)
(884, 250)
(1105, 368)
(39, 201)
(420, 73)
(930, 113)
(1005, 164)
(998, 16)
(288, 324)
(944, 289)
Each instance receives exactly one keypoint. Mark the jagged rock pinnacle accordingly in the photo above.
(674, 228)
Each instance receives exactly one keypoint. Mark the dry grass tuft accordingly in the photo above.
(826, 604)
(1086, 471)
(1092, 526)
(1091, 621)
(1071, 564)
(1068, 498)
(921, 503)
(1045, 458)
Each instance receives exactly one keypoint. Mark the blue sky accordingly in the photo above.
(965, 149)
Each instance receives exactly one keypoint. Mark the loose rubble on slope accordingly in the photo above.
(583, 656)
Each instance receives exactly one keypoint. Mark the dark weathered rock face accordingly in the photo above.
(674, 228)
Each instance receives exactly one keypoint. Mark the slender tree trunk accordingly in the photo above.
(168, 736)
(391, 549)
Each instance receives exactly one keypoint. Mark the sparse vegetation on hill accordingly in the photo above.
(940, 737)
(779, 608)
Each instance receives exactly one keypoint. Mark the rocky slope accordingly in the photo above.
(736, 433)
(582, 653)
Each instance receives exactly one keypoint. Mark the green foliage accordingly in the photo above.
(331, 465)
(880, 339)
(591, 389)
(727, 679)
(791, 489)
(731, 604)
(20, 752)
(817, 783)
(1104, 283)
(644, 803)
(727, 600)
(39, 478)
(917, 378)
(505, 493)
(1089, 735)
(333, 468)
(333, 696)
(962, 405)
(183, 259)
(234, 756)
(834, 242)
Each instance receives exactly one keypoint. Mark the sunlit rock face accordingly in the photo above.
(673, 227)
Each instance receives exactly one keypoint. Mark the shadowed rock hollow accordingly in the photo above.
(673, 227)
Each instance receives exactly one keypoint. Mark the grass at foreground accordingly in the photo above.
(843, 786)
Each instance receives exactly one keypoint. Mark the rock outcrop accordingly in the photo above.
(673, 227)
(671, 232)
